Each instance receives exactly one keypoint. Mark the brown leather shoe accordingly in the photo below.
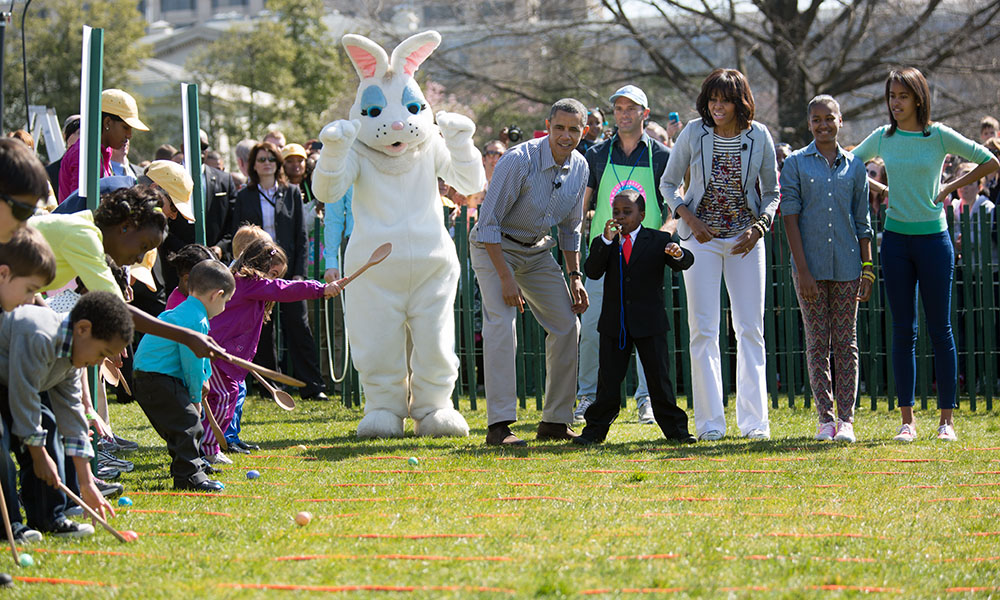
(555, 431)
(500, 435)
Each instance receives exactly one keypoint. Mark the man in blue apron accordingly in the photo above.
(630, 159)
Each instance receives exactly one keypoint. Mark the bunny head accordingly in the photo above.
(393, 111)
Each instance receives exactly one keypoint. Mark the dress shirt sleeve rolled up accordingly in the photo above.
(860, 207)
(67, 407)
(791, 192)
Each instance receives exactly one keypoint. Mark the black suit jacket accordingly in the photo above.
(220, 196)
(289, 222)
(641, 282)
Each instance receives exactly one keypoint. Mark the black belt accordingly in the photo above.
(517, 241)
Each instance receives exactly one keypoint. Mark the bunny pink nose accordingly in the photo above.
(397, 125)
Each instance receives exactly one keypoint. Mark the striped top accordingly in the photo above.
(530, 193)
(723, 208)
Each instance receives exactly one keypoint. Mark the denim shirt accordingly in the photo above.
(832, 204)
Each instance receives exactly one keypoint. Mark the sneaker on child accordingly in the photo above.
(825, 432)
(907, 433)
(947, 433)
(218, 459)
(845, 432)
(64, 528)
(583, 403)
(644, 408)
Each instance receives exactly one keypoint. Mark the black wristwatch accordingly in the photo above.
(575, 274)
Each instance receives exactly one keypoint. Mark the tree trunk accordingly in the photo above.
(791, 99)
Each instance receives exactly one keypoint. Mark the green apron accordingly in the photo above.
(619, 177)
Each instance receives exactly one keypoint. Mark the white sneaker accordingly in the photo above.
(845, 432)
(712, 435)
(758, 434)
(583, 403)
(907, 433)
(644, 408)
(825, 432)
(947, 433)
(218, 459)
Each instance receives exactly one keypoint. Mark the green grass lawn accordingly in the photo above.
(787, 518)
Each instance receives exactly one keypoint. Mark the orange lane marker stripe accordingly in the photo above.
(177, 512)
(394, 457)
(387, 499)
(428, 557)
(854, 588)
(630, 591)
(984, 449)
(644, 557)
(684, 514)
(970, 559)
(492, 515)
(425, 471)
(412, 536)
(888, 473)
(289, 469)
(983, 534)
(958, 590)
(57, 581)
(96, 553)
(780, 557)
(815, 535)
(296, 457)
(347, 515)
(960, 499)
(911, 460)
(366, 588)
(196, 495)
(180, 534)
(987, 473)
(804, 514)
(518, 498)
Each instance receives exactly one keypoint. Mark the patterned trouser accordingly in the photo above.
(830, 321)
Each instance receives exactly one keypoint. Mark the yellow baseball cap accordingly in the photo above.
(293, 150)
(176, 182)
(143, 271)
(122, 104)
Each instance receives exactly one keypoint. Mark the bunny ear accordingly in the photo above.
(413, 51)
(369, 58)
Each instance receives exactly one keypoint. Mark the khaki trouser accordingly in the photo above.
(544, 288)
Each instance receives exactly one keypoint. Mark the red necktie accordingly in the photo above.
(627, 248)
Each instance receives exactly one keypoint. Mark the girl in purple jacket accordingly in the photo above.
(258, 287)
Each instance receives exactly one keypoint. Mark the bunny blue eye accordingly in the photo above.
(372, 101)
(413, 100)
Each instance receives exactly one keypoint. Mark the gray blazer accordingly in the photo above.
(694, 149)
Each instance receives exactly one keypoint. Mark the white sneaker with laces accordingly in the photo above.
(825, 432)
(644, 409)
(218, 459)
(947, 433)
(907, 433)
(583, 403)
(845, 432)
(712, 435)
(758, 434)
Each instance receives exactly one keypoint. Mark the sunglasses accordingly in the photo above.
(20, 210)
(494, 153)
(873, 173)
(266, 159)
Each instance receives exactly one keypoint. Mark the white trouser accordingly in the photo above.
(744, 278)
(590, 342)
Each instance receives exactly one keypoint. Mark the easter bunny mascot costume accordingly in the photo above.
(392, 152)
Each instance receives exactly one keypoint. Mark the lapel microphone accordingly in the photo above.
(557, 184)
(744, 147)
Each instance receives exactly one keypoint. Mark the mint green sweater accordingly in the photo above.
(913, 164)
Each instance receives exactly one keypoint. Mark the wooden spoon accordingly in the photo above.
(378, 255)
(280, 397)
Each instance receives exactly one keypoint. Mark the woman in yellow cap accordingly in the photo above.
(119, 116)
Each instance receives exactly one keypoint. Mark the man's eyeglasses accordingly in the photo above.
(494, 153)
(20, 210)
(266, 159)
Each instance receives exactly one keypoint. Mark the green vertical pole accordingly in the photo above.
(519, 370)
(987, 270)
(685, 349)
(968, 306)
(770, 333)
(192, 155)
(91, 84)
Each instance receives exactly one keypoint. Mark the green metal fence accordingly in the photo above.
(974, 322)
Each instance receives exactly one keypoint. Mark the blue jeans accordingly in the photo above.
(925, 263)
(233, 431)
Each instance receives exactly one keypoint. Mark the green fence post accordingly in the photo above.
(987, 275)
(770, 333)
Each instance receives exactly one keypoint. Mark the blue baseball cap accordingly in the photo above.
(631, 92)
